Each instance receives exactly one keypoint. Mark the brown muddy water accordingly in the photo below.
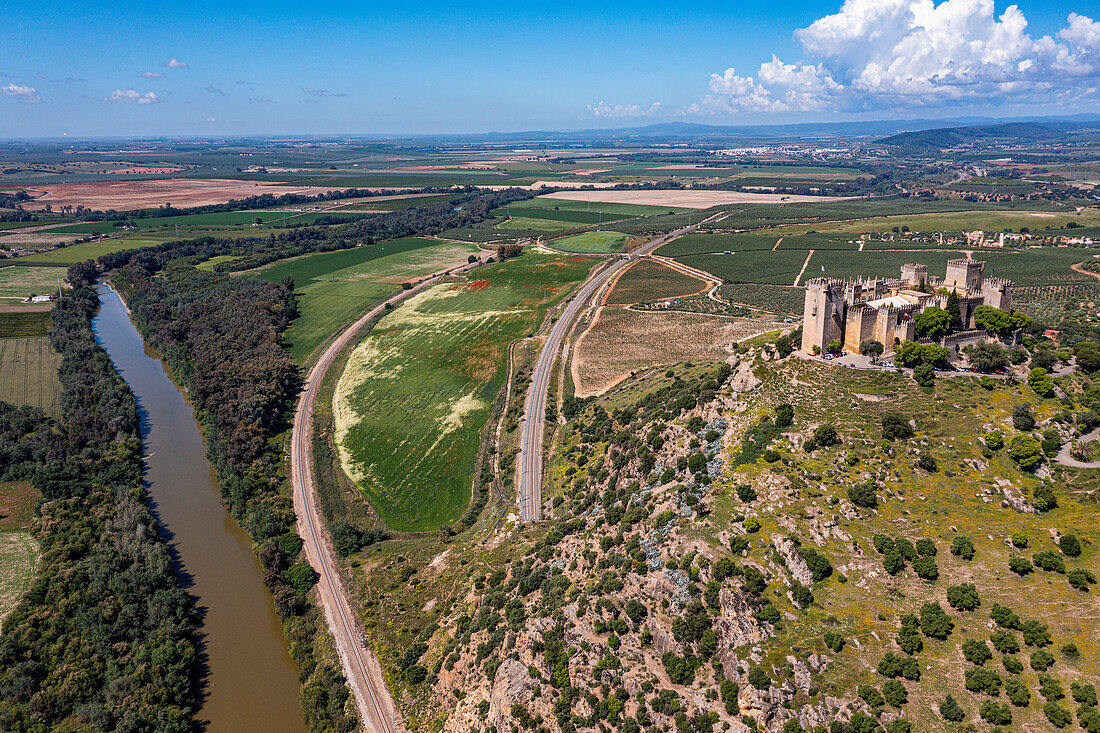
(251, 683)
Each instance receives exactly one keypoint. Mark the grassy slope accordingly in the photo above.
(18, 549)
(334, 287)
(417, 390)
(592, 242)
(963, 496)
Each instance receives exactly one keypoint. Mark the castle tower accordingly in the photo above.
(997, 292)
(964, 275)
(824, 313)
(913, 275)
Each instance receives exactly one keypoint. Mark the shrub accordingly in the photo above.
(1017, 692)
(882, 543)
(1041, 660)
(784, 415)
(934, 622)
(986, 382)
(1025, 450)
(755, 583)
(963, 597)
(1022, 418)
(1050, 561)
(824, 437)
(994, 440)
(906, 548)
(1039, 380)
(1070, 545)
(1050, 687)
(926, 546)
(1035, 633)
(728, 691)
(1019, 539)
(894, 692)
(738, 544)
(899, 725)
(976, 652)
(1019, 565)
(803, 597)
(893, 562)
(951, 711)
(909, 638)
(870, 695)
(820, 567)
(759, 679)
(833, 640)
(899, 665)
(962, 546)
(1080, 579)
(925, 375)
(1058, 716)
(995, 714)
(1070, 651)
(746, 493)
(925, 568)
(751, 524)
(1005, 617)
(1004, 641)
(1045, 500)
(979, 679)
(927, 463)
(895, 426)
(1013, 665)
(1083, 693)
(863, 495)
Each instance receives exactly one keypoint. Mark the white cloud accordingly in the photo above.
(211, 119)
(174, 63)
(890, 54)
(152, 75)
(612, 111)
(25, 94)
(131, 96)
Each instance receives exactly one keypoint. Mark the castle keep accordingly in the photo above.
(883, 308)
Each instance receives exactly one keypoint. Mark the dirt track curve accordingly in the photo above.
(377, 711)
(529, 465)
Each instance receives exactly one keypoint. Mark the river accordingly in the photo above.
(251, 683)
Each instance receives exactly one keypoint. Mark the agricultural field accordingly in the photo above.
(18, 548)
(28, 373)
(412, 400)
(85, 251)
(24, 323)
(771, 298)
(780, 267)
(701, 243)
(649, 280)
(336, 287)
(210, 264)
(989, 221)
(584, 211)
(620, 341)
(591, 242)
(541, 224)
(18, 283)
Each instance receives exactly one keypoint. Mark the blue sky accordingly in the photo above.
(275, 67)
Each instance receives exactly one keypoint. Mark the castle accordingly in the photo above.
(883, 309)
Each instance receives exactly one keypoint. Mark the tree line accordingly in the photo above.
(105, 638)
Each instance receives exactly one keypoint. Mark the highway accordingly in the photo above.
(529, 465)
(377, 711)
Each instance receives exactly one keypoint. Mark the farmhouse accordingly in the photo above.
(883, 309)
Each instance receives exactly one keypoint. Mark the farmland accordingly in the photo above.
(592, 242)
(334, 287)
(956, 221)
(649, 280)
(621, 341)
(18, 548)
(22, 282)
(28, 373)
(412, 400)
(24, 323)
(84, 251)
(771, 298)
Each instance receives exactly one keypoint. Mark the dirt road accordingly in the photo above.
(529, 465)
(361, 668)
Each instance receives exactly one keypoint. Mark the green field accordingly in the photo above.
(604, 208)
(990, 221)
(208, 265)
(223, 219)
(524, 223)
(592, 242)
(335, 287)
(28, 373)
(22, 282)
(84, 251)
(416, 392)
(754, 266)
(24, 324)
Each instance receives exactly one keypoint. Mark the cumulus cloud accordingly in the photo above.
(24, 94)
(612, 111)
(174, 63)
(889, 54)
(322, 92)
(152, 75)
(131, 96)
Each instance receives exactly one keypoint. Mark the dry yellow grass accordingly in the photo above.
(621, 340)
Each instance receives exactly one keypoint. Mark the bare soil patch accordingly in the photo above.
(127, 195)
(621, 341)
(688, 199)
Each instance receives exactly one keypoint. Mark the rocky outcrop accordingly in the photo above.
(512, 684)
(798, 568)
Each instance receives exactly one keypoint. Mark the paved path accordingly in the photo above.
(529, 465)
(1065, 459)
(377, 711)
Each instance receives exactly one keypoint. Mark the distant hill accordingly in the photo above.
(947, 137)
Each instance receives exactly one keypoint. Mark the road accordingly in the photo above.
(529, 465)
(377, 711)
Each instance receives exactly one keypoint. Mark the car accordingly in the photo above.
(828, 357)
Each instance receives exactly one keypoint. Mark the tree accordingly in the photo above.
(784, 415)
(863, 494)
(834, 346)
(1025, 450)
(1022, 418)
(1039, 380)
(1070, 545)
(953, 311)
(1087, 354)
(987, 356)
(934, 622)
(994, 440)
(895, 426)
(976, 652)
(759, 679)
(963, 597)
(996, 321)
(962, 546)
(871, 348)
(932, 322)
(925, 375)
(951, 711)
(824, 437)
